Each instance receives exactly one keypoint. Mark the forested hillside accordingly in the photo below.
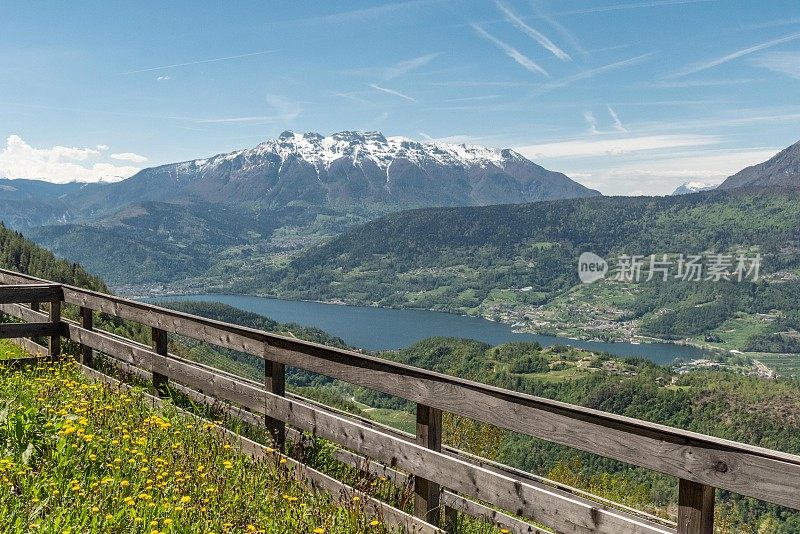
(20, 254)
(504, 262)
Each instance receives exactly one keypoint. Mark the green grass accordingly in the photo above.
(81, 457)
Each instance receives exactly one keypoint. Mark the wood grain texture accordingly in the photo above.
(695, 508)
(426, 492)
(748, 470)
(15, 330)
(87, 353)
(30, 293)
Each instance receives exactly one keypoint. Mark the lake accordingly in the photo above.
(374, 328)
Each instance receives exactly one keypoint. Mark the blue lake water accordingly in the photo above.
(374, 328)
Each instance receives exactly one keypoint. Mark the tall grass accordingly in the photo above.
(82, 457)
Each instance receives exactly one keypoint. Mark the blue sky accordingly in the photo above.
(627, 96)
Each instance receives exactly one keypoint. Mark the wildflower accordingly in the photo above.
(186, 499)
(227, 464)
(319, 530)
(375, 523)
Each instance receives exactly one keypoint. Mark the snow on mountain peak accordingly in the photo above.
(322, 151)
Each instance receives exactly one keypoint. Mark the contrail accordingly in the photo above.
(199, 62)
(539, 37)
(391, 92)
(735, 55)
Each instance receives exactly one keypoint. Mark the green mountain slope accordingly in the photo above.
(23, 255)
(517, 262)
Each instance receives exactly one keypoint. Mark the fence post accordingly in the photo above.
(695, 508)
(86, 350)
(429, 434)
(160, 347)
(275, 382)
(55, 317)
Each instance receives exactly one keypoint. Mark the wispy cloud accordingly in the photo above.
(565, 34)
(162, 78)
(633, 5)
(128, 156)
(523, 60)
(699, 67)
(583, 75)
(787, 63)
(540, 38)
(685, 84)
(391, 92)
(472, 83)
(481, 98)
(284, 110)
(404, 67)
(579, 148)
(588, 116)
(615, 118)
(367, 13)
(200, 62)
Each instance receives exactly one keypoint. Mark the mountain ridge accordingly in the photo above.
(781, 170)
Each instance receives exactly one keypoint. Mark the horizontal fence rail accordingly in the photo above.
(441, 478)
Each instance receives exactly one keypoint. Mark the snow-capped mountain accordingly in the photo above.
(349, 169)
(693, 187)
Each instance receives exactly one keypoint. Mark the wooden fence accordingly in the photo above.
(443, 478)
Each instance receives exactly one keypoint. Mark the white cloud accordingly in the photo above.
(391, 92)
(581, 148)
(588, 116)
(128, 156)
(698, 67)
(539, 37)
(162, 78)
(521, 59)
(787, 63)
(58, 164)
(617, 123)
(404, 67)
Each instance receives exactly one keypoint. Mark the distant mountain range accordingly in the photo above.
(693, 187)
(281, 193)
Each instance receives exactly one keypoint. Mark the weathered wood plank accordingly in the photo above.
(29, 293)
(543, 505)
(275, 382)
(769, 475)
(55, 336)
(160, 344)
(752, 471)
(178, 370)
(426, 492)
(24, 313)
(31, 347)
(87, 353)
(695, 508)
(449, 499)
(218, 333)
(15, 330)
